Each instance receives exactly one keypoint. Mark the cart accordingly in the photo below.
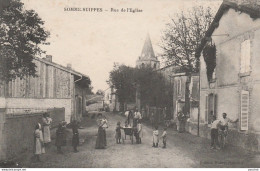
(130, 132)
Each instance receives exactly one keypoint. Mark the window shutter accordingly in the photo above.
(245, 56)
(206, 109)
(244, 110)
(215, 104)
(242, 58)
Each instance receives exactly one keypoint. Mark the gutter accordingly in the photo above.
(81, 77)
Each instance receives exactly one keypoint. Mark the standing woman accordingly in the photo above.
(75, 137)
(46, 120)
(100, 142)
(105, 126)
(38, 142)
(61, 137)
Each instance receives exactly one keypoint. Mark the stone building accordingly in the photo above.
(110, 99)
(234, 87)
(56, 86)
(147, 57)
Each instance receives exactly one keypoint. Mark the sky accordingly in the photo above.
(93, 41)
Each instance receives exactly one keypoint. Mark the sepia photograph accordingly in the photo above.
(129, 84)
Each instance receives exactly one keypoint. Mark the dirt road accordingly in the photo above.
(183, 150)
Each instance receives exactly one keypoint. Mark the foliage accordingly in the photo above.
(90, 90)
(181, 38)
(154, 90)
(100, 92)
(209, 54)
(21, 33)
(183, 35)
(122, 79)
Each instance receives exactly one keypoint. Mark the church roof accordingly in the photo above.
(147, 52)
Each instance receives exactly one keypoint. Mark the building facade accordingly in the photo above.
(234, 88)
(179, 90)
(110, 99)
(54, 87)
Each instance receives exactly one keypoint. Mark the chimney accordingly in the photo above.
(49, 58)
(69, 66)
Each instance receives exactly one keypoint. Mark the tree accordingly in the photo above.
(181, 37)
(21, 33)
(100, 92)
(121, 78)
(153, 88)
(90, 90)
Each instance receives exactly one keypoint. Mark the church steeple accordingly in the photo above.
(148, 57)
(147, 52)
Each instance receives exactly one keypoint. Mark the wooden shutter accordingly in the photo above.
(206, 109)
(245, 56)
(215, 104)
(244, 110)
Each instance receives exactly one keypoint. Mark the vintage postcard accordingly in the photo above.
(129, 84)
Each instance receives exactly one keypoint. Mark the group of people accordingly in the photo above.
(136, 119)
(42, 136)
(217, 126)
(156, 137)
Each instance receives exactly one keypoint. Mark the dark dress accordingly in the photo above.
(60, 137)
(100, 142)
(75, 137)
(118, 132)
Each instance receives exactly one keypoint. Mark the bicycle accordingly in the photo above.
(222, 133)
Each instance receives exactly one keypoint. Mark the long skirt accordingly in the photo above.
(75, 140)
(100, 142)
(46, 134)
(105, 137)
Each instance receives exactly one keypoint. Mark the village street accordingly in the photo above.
(183, 150)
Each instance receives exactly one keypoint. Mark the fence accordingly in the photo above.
(158, 113)
(18, 130)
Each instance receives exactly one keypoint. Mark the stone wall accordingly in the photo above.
(41, 104)
(250, 141)
(17, 133)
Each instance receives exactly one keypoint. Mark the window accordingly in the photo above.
(245, 57)
(210, 107)
(244, 105)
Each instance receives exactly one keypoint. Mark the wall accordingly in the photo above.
(41, 104)
(229, 82)
(2, 102)
(2, 120)
(51, 82)
(18, 131)
(181, 95)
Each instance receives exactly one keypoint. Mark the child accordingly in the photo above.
(38, 142)
(61, 136)
(118, 133)
(155, 137)
(75, 137)
(139, 132)
(164, 137)
(214, 132)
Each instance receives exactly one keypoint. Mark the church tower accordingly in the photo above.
(148, 57)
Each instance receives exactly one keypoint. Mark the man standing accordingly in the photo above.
(224, 122)
(137, 116)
